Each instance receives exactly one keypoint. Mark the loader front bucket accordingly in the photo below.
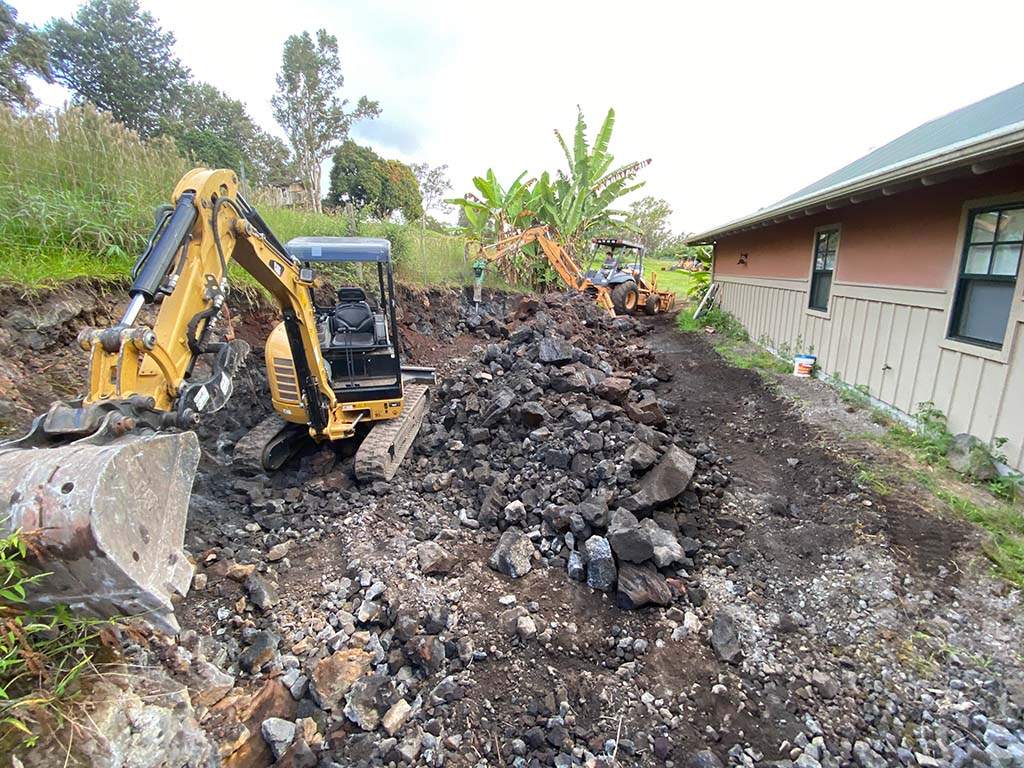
(106, 521)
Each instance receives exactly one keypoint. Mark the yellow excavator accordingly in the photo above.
(100, 485)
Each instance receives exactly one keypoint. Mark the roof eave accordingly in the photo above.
(985, 148)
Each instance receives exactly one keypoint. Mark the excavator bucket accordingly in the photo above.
(105, 520)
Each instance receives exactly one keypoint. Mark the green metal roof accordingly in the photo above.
(948, 138)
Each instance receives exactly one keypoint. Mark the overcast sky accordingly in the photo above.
(738, 104)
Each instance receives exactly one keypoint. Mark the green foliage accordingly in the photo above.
(700, 282)
(216, 131)
(308, 106)
(355, 176)
(366, 180)
(724, 323)
(114, 55)
(42, 653)
(929, 438)
(1005, 525)
(650, 217)
(575, 203)
(497, 211)
(23, 52)
(400, 191)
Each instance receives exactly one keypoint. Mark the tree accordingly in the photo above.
(366, 180)
(23, 52)
(115, 56)
(355, 176)
(212, 128)
(650, 218)
(498, 210)
(433, 184)
(400, 191)
(308, 107)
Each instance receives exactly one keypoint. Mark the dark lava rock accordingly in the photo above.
(641, 585)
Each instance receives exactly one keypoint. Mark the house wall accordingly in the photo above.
(890, 304)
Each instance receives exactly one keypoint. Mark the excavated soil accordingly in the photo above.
(824, 624)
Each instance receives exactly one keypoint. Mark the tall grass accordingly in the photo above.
(78, 191)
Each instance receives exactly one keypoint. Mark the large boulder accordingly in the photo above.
(970, 456)
(513, 554)
(666, 547)
(334, 676)
(647, 411)
(628, 540)
(614, 389)
(601, 572)
(554, 351)
(369, 699)
(669, 478)
(641, 585)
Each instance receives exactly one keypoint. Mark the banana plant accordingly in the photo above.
(505, 210)
(578, 203)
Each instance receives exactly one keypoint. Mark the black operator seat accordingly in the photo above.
(353, 321)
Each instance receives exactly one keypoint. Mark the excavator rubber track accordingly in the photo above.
(383, 449)
(267, 446)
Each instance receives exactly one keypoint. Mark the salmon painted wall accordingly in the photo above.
(904, 240)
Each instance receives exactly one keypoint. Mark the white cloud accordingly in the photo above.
(738, 104)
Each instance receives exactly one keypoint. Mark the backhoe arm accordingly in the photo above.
(564, 264)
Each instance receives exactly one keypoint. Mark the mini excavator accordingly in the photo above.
(620, 289)
(101, 484)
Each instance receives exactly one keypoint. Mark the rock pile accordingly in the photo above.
(557, 438)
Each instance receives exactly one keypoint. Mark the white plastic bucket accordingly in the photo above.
(803, 365)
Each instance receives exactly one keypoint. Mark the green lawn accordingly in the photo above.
(678, 280)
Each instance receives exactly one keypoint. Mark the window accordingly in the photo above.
(826, 243)
(988, 275)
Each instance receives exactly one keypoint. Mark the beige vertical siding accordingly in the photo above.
(890, 340)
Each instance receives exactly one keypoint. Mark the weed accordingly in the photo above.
(1005, 525)
(871, 478)
(929, 439)
(42, 653)
(723, 322)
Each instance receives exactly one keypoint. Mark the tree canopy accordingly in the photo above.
(650, 217)
(308, 105)
(23, 52)
(215, 129)
(114, 55)
(366, 180)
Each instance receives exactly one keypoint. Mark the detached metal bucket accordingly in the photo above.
(107, 522)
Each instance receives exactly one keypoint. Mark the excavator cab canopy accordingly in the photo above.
(340, 249)
(610, 267)
(357, 334)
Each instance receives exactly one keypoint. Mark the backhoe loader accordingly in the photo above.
(620, 289)
(100, 485)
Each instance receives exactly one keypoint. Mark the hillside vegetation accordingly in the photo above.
(78, 191)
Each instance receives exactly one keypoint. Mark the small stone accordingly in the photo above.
(199, 582)
(396, 716)
(368, 700)
(279, 551)
(725, 638)
(526, 627)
